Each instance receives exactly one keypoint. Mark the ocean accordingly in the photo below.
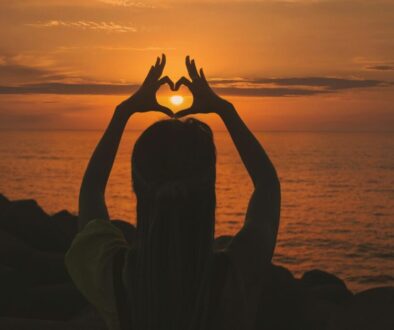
(337, 192)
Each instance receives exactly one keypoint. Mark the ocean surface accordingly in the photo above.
(337, 192)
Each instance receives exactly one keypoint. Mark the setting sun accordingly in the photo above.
(176, 99)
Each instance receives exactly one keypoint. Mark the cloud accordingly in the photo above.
(381, 67)
(86, 25)
(70, 89)
(43, 76)
(374, 64)
(115, 48)
(294, 86)
(14, 70)
(128, 3)
(262, 87)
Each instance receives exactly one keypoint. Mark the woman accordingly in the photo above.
(171, 278)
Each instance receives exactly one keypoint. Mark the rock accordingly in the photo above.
(33, 266)
(307, 304)
(325, 286)
(321, 295)
(26, 220)
(13, 251)
(50, 302)
(12, 283)
(67, 224)
(30, 324)
(279, 303)
(4, 203)
(318, 277)
(368, 310)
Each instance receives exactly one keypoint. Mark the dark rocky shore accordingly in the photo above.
(37, 293)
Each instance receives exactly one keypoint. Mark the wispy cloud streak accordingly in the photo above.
(86, 25)
(128, 3)
(381, 67)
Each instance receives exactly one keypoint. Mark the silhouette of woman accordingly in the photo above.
(171, 277)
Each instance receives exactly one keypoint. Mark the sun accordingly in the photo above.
(176, 99)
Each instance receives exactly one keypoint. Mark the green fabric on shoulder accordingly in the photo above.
(89, 262)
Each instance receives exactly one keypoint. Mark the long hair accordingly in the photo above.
(174, 173)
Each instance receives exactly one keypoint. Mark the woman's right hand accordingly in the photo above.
(205, 100)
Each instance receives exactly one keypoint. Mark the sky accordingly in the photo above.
(285, 65)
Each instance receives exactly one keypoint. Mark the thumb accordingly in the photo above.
(185, 112)
(165, 110)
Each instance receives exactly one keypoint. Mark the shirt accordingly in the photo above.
(90, 263)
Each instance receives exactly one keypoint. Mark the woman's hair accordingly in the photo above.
(174, 173)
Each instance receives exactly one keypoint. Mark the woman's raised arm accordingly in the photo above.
(253, 246)
(91, 197)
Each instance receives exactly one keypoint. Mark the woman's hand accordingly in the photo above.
(205, 100)
(145, 98)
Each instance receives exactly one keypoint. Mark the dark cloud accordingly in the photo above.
(16, 72)
(70, 89)
(383, 67)
(271, 92)
(291, 86)
(272, 87)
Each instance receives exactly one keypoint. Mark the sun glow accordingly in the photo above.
(176, 99)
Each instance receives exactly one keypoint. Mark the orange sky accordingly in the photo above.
(286, 65)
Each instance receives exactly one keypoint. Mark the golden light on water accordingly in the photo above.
(176, 99)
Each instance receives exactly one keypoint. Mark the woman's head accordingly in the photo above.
(173, 172)
(174, 151)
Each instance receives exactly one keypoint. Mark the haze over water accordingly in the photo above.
(337, 192)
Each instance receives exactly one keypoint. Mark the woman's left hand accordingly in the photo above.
(144, 99)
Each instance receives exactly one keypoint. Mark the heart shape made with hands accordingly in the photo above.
(174, 98)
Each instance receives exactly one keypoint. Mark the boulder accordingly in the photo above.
(321, 295)
(279, 306)
(318, 277)
(372, 309)
(325, 286)
(4, 203)
(50, 302)
(30, 324)
(67, 224)
(24, 219)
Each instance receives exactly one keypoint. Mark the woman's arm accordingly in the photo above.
(255, 242)
(91, 197)
(253, 246)
(256, 160)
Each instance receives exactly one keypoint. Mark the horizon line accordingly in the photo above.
(214, 130)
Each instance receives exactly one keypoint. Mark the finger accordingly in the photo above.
(162, 65)
(185, 112)
(194, 69)
(150, 74)
(183, 81)
(202, 75)
(189, 66)
(189, 69)
(166, 80)
(165, 110)
(157, 62)
(157, 69)
(163, 61)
